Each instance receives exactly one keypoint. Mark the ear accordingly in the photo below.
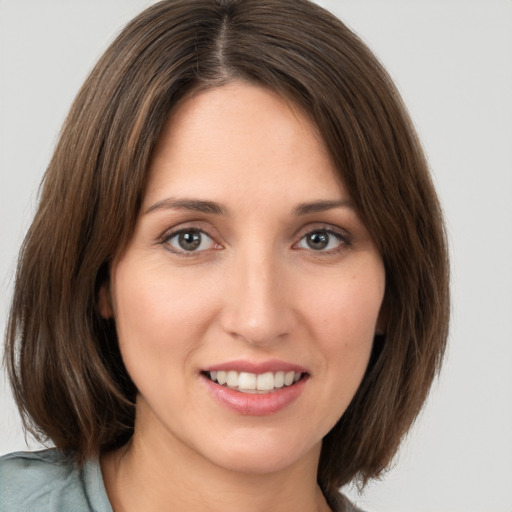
(105, 302)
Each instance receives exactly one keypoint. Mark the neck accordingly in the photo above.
(148, 475)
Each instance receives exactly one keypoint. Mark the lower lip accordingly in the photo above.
(255, 404)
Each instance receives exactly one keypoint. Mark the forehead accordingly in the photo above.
(240, 139)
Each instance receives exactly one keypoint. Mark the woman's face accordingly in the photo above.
(249, 265)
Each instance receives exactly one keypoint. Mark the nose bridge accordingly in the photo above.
(256, 306)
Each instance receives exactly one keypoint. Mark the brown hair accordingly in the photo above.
(62, 356)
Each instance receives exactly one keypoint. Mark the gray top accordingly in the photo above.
(46, 481)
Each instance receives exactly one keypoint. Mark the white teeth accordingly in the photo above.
(265, 381)
(247, 380)
(232, 380)
(252, 382)
(288, 378)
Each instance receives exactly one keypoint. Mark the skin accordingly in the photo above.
(255, 289)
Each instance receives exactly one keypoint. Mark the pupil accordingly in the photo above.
(318, 240)
(190, 240)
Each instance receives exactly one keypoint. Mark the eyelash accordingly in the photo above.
(169, 235)
(341, 236)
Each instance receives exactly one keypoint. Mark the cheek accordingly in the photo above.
(158, 314)
(348, 310)
(342, 317)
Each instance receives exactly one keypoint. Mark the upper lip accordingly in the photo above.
(242, 365)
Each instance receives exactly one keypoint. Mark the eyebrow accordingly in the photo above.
(197, 205)
(322, 206)
(194, 205)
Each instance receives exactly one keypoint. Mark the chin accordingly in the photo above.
(257, 455)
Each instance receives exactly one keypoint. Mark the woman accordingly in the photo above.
(234, 294)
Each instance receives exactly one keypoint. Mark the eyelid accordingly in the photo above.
(341, 234)
(203, 228)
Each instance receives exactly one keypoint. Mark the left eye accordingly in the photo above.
(190, 240)
(321, 240)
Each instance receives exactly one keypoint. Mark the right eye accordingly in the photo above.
(189, 241)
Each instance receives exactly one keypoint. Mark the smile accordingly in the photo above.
(254, 383)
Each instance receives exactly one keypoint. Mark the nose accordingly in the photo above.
(256, 304)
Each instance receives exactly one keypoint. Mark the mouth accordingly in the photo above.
(255, 383)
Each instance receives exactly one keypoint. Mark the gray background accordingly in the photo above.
(452, 61)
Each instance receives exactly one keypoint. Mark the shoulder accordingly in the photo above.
(47, 481)
(340, 503)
